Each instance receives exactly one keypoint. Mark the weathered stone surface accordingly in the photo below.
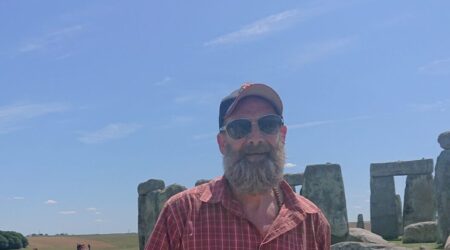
(442, 188)
(350, 245)
(444, 140)
(419, 204)
(424, 166)
(360, 221)
(201, 181)
(398, 205)
(294, 179)
(362, 235)
(420, 232)
(383, 208)
(150, 185)
(447, 244)
(323, 185)
(152, 197)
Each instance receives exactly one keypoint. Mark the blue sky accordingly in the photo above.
(98, 96)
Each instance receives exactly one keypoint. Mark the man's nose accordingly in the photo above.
(255, 137)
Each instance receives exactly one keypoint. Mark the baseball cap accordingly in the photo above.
(229, 103)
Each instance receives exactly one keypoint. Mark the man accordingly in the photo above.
(251, 206)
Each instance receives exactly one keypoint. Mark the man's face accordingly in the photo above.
(254, 163)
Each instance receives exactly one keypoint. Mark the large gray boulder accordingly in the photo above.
(350, 245)
(444, 140)
(442, 188)
(152, 196)
(420, 232)
(323, 185)
(447, 244)
(419, 204)
(362, 235)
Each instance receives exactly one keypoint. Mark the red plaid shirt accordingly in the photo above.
(207, 217)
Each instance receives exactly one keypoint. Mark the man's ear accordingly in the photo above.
(283, 132)
(221, 142)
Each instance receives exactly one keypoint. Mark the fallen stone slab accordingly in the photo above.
(362, 235)
(421, 232)
(444, 140)
(424, 166)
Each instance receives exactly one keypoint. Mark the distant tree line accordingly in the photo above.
(12, 240)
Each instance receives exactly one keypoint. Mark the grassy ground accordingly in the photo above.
(415, 246)
(97, 242)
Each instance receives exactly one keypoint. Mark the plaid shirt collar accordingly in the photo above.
(290, 215)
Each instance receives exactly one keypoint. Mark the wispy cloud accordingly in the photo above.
(93, 210)
(98, 221)
(69, 212)
(18, 198)
(289, 165)
(436, 67)
(257, 28)
(321, 50)
(51, 39)
(442, 106)
(13, 116)
(50, 202)
(163, 82)
(327, 122)
(110, 132)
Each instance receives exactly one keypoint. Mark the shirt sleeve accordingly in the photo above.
(166, 233)
(324, 233)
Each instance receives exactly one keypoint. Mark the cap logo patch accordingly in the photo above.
(244, 87)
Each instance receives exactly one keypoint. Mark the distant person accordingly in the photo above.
(250, 206)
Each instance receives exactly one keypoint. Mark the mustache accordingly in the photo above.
(257, 149)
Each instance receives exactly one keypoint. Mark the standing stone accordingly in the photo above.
(442, 187)
(323, 185)
(419, 204)
(383, 210)
(444, 140)
(148, 208)
(360, 221)
(398, 204)
(152, 197)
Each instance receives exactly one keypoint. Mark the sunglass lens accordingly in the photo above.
(238, 129)
(270, 124)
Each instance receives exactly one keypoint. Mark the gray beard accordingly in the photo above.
(254, 177)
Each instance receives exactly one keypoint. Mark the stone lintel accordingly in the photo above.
(294, 179)
(424, 166)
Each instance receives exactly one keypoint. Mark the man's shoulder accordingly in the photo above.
(198, 193)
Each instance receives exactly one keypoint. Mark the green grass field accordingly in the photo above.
(415, 246)
(97, 242)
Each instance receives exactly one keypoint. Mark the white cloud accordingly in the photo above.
(98, 221)
(258, 28)
(52, 39)
(18, 198)
(321, 50)
(326, 122)
(442, 106)
(164, 81)
(69, 212)
(437, 67)
(51, 202)
(12, 116)
(289, 165)
(92, 209)
(110, 132)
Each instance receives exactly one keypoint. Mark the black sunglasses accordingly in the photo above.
(240, 128)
